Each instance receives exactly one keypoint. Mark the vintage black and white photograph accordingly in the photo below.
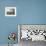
(29, 34)
(10, 11)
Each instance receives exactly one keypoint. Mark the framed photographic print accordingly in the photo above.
(10, 11)
(32, 32)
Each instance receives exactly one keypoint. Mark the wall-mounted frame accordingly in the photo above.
(10, 11)
(36, 32)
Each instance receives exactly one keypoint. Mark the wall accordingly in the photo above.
(28, 12)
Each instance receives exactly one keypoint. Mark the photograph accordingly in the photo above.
(28, 33)
(10, 11)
